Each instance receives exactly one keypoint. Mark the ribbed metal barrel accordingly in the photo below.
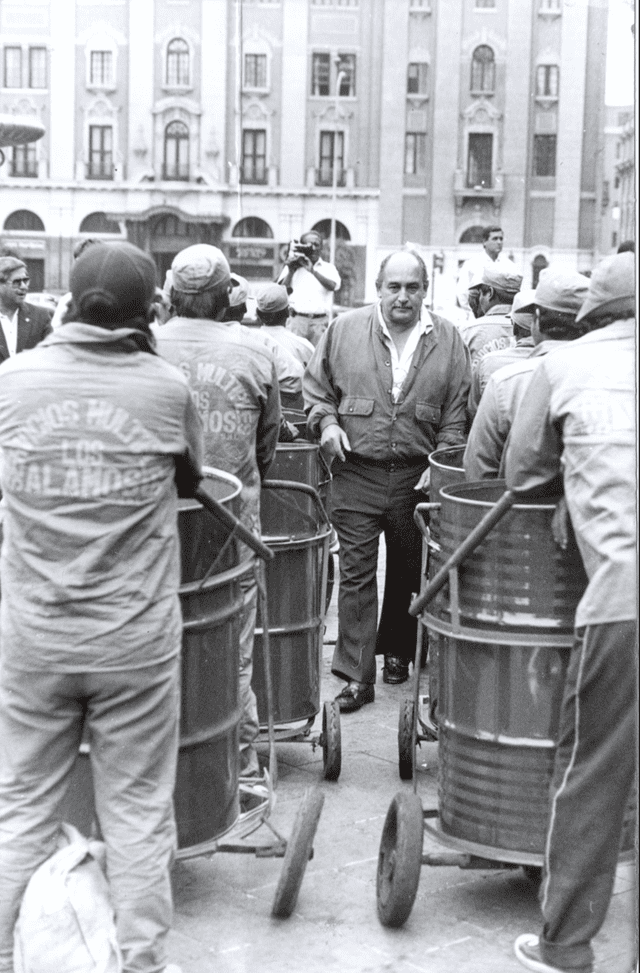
(501, 670)
(286, 514)
(206, 794)
(296, 579)
(446, 468)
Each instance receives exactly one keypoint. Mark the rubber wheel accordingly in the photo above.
(331, 740)
(299, 851)
(406, 749)
(399, 859)
(331, 577)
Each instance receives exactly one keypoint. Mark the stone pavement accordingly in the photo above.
(462, 921)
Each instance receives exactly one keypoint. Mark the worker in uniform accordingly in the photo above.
(387, 385)
(578, 423)
(233, 380)
(98, 436)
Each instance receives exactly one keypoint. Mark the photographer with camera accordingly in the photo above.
(310, 282)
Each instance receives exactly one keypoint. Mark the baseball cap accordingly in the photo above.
(239, 291)
(199, 268)
(612, 287)
(507, 281)
(523, 319)
(559, 290)
(116, 280)
(272, 298)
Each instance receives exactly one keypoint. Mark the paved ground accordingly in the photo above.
(462, 921)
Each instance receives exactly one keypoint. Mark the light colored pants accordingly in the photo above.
(249, 726)
(132, 721)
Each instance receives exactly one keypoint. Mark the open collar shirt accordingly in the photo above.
(401, 363)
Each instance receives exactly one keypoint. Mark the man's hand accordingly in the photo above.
(425, 481)
(335, 442)
(561, 524)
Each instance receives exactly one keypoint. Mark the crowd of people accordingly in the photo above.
(107, 420)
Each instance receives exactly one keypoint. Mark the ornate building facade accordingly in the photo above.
(245, 122)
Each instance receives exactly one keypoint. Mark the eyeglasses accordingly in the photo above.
(20, 281)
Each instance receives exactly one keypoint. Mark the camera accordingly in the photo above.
(298, 250)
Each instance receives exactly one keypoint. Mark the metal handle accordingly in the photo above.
(300, 488)
(470, 543)
(225, 517)
(421, 523)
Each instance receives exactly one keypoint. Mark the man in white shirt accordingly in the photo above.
(21, 325)
(473, 269)
(310, 283)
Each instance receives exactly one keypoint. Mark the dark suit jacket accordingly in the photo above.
(34, 324)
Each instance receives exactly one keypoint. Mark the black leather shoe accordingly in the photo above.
(355, 695)
(395, 670)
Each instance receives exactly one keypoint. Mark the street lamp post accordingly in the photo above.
(334, 174)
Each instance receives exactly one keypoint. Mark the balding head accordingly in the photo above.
(402, 287)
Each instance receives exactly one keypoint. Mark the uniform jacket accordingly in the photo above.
(90, 429)
(492, 331)
(34, 324)
(579, 418)
(349, 381)
(490, 363)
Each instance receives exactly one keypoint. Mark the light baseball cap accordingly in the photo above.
(559, 290)
(524, 319)
(612, 288)
(272, 298)
(199, 268)
(239, 291)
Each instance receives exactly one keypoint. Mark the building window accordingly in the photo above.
(544, 155)
(417, 79)
(614, 239)
(346, 75)
(24, 219)
(24, 161)
(100, 68)
(616, 182)
(255, 71)
(176, 151)
(99, 223)
(547, 80)
(320, 74)
(13, 67)
(331, 156)
(254, 156)
(254, 228)
(485, 4)
(37, 67)
(550, 6)
(483, 70)
(415, 145)
(100, 152)
(480, 161)
(177, 63)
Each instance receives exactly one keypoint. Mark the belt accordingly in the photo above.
(303, 314)
(396, 463)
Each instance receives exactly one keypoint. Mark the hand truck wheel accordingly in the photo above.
(299, 851)
(331, 740)
(399, 859)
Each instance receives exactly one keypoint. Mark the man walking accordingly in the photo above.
(96, 431)
(21, 325)
(472, 269)
(578, 421)
(310, 282)
(232, 376)
(386, 385)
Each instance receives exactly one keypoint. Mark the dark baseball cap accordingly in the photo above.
(112, 281)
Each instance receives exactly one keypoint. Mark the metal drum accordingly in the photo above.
(446, 468)
(295, 527)
(206, 794)
(509, 622)
(285, 514)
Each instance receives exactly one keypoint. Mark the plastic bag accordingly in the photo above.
(66, 922)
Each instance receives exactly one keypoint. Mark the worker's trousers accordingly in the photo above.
(593, 774)
(132, 719)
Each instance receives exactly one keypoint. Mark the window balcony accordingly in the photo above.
(324, 177)
(175, 172)
(24, 170)
(102, 169)
(250, 176)
(489, 185)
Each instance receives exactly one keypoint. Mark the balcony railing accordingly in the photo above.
(252, 176)
(24, 170)
(102, 169)
(176, 172)
(324, 177)
(485, 186)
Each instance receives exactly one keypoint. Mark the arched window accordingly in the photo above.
(324, 229)
(23, 219)
(483, 70)
(99, 223)
(253, 226)
(170, 225)
(472, 234)
(538, 265)
(176, 151)
(177, 63)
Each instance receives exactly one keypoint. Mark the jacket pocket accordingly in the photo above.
(426, 412)
(351, 406)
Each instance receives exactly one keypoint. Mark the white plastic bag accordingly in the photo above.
(66, 922)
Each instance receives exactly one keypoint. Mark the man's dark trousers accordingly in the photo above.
(593, 774)
(369, 498)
